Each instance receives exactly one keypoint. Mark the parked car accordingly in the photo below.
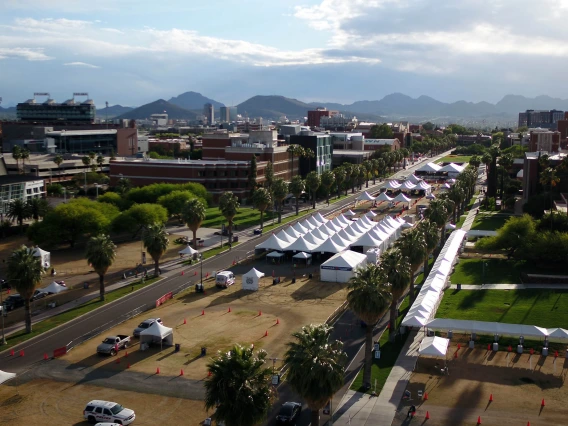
(14, 301)
(111, 345)
(108, 412)
(224, 279)
(38, 295)
(5, 285)
(144, 325)
(289, 413)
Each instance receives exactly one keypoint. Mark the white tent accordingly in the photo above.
(343, 219)
(302, 245)
(401, 198)
(558, 333)
(188, 250)
(309, 237)
(452, 168)
(429, 168)
(53, 288)
(365, 196)
(319, 234)
(293, 233)
(345, 236)
(424, 185)
(352, 232)
(330, 246)
(414, 179)
(370, 214)
(5, 376)
(273, 243)
(341, 267)
(302, 255)
(157, 333)
(306, 224)
(350, 213)
(320, 218)
(367, 241)
(392, 184)
(314, 221)
(384, 197)
(251, 279)
(300, 228)
(340, 241)
(333, 227)
(283, 235)
(44, 255)
(434, 346)
(407, 185)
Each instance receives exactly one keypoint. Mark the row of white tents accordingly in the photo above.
(400, 198)
(451, 169)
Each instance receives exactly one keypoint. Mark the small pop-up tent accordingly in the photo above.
(384, 197)
(157, 333)
(53, 288)
(5, 376)
(188, 250)
(307, 257)
(349, 213)
(341, 267)
(365, 196)
(251, 279)
(44, 255)
(434, 346)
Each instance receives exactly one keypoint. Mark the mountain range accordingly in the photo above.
(159, 107)
(194, 101)
(112, 111)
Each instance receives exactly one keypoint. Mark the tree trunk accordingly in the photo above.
(367, 182)
(28, 313)
(426, 265)
(102, 287)
(314, 199)
(392, 330)
(297, 206)
(327, 196)
(261, 219)
(411, 287)
(194, 238)
(368, 355)
(315, 418)
(374, 178)
(230, 239)
(280, 212)
(156, 268)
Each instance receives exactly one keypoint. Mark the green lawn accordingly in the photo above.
(545, 308)
(461, 220)
(455, 159)
(245, 218)
(389, 353)
(489, 222)
(49, 323)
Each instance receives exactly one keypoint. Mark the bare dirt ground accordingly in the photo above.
(50, 403)
(464, 395)
(253, 314)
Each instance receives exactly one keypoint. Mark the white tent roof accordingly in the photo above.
(300, 228)
(378, 234)
(283, 235)
(302, 245)
(352, 232)
(454, 168)
(273, 243)
(292, 232)
(365, 196)
(384, 197)
(346, 236)
(37, 252)
(434, 346)
(408, 185)
(520, 174)
(314, 221)
(312, 239)
(343, 219)
(346, 259)
(414, 179)
(5, 376)
(302, 255)
(429, 168)
(349, 213)
(53, 288)
(157, 330)
(318, 234)
(558, 333)
(392, 184)
(188, 250)
(330, 246)
(333, 227)
(367, 240)
(339, 241)
(254, 272)
(424, 185)
(393, 222)
(320, 218)
(306, 224)
(401, 198)
(275, 254)
(370, 213)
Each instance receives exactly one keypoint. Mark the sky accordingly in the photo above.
(131, 52)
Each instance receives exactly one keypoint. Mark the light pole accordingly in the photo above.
(201, 259)
(97, 188)
(85, 186)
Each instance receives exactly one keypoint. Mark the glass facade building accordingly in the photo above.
(50, 111)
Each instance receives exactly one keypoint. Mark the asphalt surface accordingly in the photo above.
(34, 349)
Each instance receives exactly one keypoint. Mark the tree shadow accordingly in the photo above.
(228, 297)
(316, 290)
(472, 298)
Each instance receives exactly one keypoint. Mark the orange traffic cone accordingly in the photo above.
(194, 273)
(45, 357)
(266, 335)
(125, 354)
(491, 398)
(259, 313)
(184, 321)
(478, 420)
(203, 312)
(22, 352)
(542, 404)
(455, 354)
(181, 372)
(425, 396)
(158, 370)
(229, 309)
(128, 365)
(427, 415)
(12, 352)
(182, 272)
(459, 346)
(277, 321)
(528, 423)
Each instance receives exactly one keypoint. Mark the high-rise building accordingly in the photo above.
(322, 146)
(69, 111)
(209, 113)
(228, 114)
(314, 117)
(543, 118)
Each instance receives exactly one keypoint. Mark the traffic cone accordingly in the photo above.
(425, 396)
(542, 404)
(118, 360)
(510, 348)
(22, 352)
(459, 346)
(427, 415)
(45, 357)
(491, 398)
(259, 313)
(277, 321)
(478, 420)
(128, 365)
(556, 354)
(266, 335)
(203, 312)
(209, 374)
(488, 347)
(158, 370)
(528, 423)
(125, 354)
(12, 352)
(229, 309)
(184, 321)
(194, 273)
(181, 372)
(182, 273)
(455, 354)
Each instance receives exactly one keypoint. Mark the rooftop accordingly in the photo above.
(351, 153)
(7, 179)
(81, 132)
(179, 161)
(380, 141)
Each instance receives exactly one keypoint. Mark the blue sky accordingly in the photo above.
(136, 51)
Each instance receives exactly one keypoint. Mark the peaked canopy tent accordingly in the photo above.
(318, 234)
(452, 168)
(275, 257)
(307, 257)
(434, 346)
(251, 279)
(337, 239)
(44, 256)
(306, 224)
(408, 186)
(384, 197)
(349, 213)
(367, 241)
(330, 246)
(188, 250)
(341, 267)
(318, 216)
(429, 168)
(401, 198)
(157, 333)
(284, 236)
(314, 221)
(313, 239)
(53, 288)
(370, 214)
(300, 228)
(393, 185)
(412, 178)
(273, 243)
(365, 196)
(293, 233)
(302, 245)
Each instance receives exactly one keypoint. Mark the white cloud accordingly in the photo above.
(80, 64)
(112, 30)
(23, 53)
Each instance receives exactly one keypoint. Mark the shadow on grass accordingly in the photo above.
(472, 298)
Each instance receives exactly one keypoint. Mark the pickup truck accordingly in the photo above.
(111, 345)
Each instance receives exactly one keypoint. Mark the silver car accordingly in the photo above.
(144, 325)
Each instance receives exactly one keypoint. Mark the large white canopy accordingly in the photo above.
(302, 245)
(157, 333)
(370, 214)
(330, 246)
(333, 227)
(188, 250)
(273, 243)
(5, 376)
(53, 288)
(302, 255)
(318, 234)
(392, 184)
(424, 185)
(340, 241)
(401, 198)
(349, 213)
(384, 197)
(452, 168)
(300, 228)
(429, 168)
(283, 235)
(434, 346)
(366, 240)
(306, 224)
(414, 179)
(365, 196)
(407, 185)
(320, 218)
(314, 221)
(352, 232)
(251, 279)
(293, 233)
(309, 237)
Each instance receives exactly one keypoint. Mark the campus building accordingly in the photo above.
(48, 111)
(322, 146)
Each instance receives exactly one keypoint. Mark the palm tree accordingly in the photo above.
(100, 161)
(58, 160)
(457, 195)
(193, 214)
(101, 253)
(437, 213)
(412, 245)
(297, 186)
(37, 207)
(316, 366)
(19, 211)
(327, 181)
(381, 166)
(261, 199)
(313, 182)
(368, 165)
(431, 238)
(362, 175)
(86, 160)
(339, 173)
(17, 155)
(239, 387)
(375, 169)
(369, 297)
(280, 191)
(229, 207)
(475, 161)
(25, 155)
(308, 153)
(155, 239)
(25, 270)
(294, 151)
(395, 270)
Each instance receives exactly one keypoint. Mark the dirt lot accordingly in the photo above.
(54, 403)
(252, 315)
(463, 395)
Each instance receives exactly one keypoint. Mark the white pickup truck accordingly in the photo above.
(111, 345)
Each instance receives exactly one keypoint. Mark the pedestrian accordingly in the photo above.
(411, 411)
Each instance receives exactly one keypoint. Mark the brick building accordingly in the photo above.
(314, 117)
(544, 140)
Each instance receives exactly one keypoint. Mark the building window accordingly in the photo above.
(200, 173)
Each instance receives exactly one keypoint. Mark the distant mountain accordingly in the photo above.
(159, 107)
(8, 113)
(273, 107)
(515, 103)
(113, 111)
(194, 100)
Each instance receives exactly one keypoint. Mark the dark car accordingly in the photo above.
(289, 413)
(38, 295)
(14, 301)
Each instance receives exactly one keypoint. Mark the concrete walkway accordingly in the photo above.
(471, 214)
(511, 286)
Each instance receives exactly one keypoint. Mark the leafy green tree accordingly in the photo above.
(269, 176)
(381, 131)
(437, 212)
(313, 182)
(193, 215)
(339, 174)
(175, 202)
(495, 152)
(18, 210)
(368, 167)
(554, 221)
(25, 155)
(261, 199)
(294, 151)
(113, 198)
(101, 253)
(316, 366)
(327, 181)
(155, 239)
(86, 160)
(37, 207)
(369, 297)
(239, 387)
(54, 189)
(297, 187)
(395, 270)
(428, 126)
(475, 161)
(412, 246)
(515, 236)
(252, 175)
(24, 271)
(307, 153)
(280, 191)
(139, 216)
(229, 207)
(100, 161)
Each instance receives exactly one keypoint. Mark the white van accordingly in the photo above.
(224, 279)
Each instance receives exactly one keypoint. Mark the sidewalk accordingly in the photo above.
(468, 222)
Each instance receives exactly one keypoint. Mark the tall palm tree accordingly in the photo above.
(339, 173)
(19, 211)
(261, 199)
(368, 165)
(25, 155)
(308, 153)
(375, 169)
(327, 181)
(457, 195)
(431, 238)
(100, 161)
(17, 155)
(437, 213)
(294, 151)
(348, 167)
(58, 160)
(361, 175)
(101, 253)
(297, 186)
(369, 297)
(37, 207)
(239, 387)
(316, 366)
(395, 270)
(313, 182)
(280, 191)
(193, 214)
(412, 245)
(25, 270)
(155, 239)
(475, 161)
(229, 206)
